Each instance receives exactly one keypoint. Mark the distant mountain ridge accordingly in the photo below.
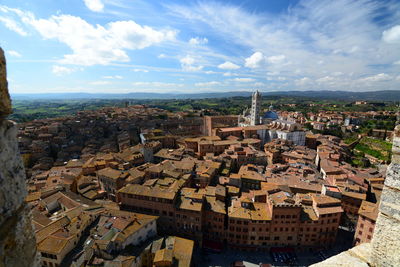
(387, 95)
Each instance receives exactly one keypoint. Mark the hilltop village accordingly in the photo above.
(143, 187)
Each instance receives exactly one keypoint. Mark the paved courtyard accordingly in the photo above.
(253, 259)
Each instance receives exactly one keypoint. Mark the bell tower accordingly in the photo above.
(255, 108)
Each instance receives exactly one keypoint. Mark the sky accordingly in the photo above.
(121, 46)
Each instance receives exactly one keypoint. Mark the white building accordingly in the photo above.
(287, 130)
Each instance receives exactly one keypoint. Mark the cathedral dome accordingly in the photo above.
(271, 115)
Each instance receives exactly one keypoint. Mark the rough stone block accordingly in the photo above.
(386, 242)
(12, 174)
(5, 102)
(17, 238)
(390, 205)
(393, 176)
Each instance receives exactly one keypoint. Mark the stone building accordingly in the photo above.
(366, 222)
(210, 123)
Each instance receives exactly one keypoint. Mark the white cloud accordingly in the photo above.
(276, 59)
(95, 44)
(162, 56)
(303, 81)
(381, 77)
(119, 77)
(210, 72)
(205, 84)
(228, 74)
(61, 70)
(279, 78)
(392, 35)
(198, 41)
(14, 53)
(272, 73)
(255, 60)
(243, 80)
(337, 73)
(228, 66)
(325, 79)
(140, 70)
(13, 26)
(188, 63)
(94, 5)
(317, 36)
(397, 62)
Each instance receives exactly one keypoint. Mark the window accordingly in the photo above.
(290, 238)
(276, 238)
(370, 230)
(369, 237)
(360, 232)
(362, 225)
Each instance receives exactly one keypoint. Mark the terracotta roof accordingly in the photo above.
(136, 189)
(369, 210)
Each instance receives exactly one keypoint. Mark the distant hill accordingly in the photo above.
(338, 95)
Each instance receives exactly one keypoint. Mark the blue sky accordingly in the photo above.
(110, 46)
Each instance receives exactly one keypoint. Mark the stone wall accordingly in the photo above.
(17, 239)
(5, 103)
